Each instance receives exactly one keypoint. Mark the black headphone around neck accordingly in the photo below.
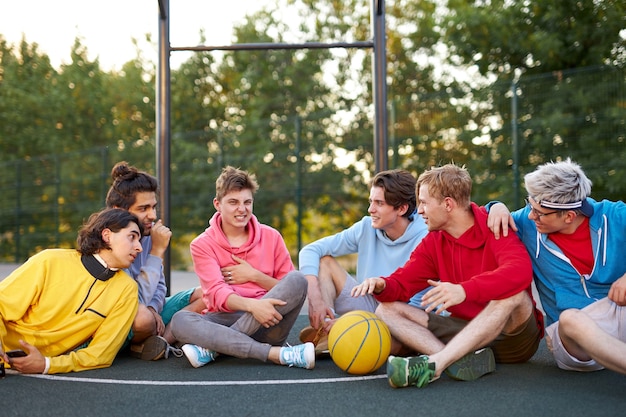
(95, 268)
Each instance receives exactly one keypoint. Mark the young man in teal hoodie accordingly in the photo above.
(576, 245)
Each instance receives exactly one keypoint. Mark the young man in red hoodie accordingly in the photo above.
(482, 282)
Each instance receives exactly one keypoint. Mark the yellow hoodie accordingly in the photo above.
(56, 305)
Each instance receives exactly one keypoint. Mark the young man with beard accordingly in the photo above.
(151, 337)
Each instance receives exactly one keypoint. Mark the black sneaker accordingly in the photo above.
(152, 349)
(473, 365)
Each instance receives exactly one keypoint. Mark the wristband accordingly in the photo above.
(47, 368)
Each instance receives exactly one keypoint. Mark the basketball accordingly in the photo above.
(359, 342)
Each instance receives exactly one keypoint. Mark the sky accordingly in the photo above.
(107, 27)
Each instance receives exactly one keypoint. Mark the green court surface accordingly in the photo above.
(237, 387)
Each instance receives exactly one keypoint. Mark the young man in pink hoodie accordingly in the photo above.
(252, 292)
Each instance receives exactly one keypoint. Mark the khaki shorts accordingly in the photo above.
(507, 348)
(607, 315)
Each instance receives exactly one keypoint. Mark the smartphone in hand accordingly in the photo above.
(17, 353)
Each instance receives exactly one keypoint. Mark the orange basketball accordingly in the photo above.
(359, 342)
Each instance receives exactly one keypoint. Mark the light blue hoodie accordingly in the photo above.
(378, 256)
(559, 285)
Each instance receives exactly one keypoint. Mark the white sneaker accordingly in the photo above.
(197, 355)
(300, 356)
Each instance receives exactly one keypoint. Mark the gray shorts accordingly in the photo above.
(607, 315)
(346, 302)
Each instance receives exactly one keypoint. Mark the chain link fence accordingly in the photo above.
(514, 127)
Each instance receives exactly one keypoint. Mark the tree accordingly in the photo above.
(301, 120)
(536, 47)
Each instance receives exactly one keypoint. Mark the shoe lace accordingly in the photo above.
(420, 372)
(293, 355)
(209, 353)
(318, 336)
(178, 353)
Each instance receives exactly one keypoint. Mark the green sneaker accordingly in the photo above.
(416, 370)
(473, 365)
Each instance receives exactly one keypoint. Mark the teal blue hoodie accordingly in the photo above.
(559, 284)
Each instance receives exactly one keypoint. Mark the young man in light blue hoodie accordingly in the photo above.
(577, 249)
(383, 242)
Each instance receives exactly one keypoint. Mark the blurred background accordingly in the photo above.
(499, 87)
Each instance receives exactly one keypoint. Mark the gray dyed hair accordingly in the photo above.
(558, 182)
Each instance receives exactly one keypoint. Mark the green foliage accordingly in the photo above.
(534, 48)
(301, 120)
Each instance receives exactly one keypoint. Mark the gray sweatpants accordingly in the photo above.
(239, 334)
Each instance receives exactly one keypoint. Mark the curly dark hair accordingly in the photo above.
(89, 239)
(127, 182)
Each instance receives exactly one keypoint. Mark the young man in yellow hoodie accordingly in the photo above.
(71, 310)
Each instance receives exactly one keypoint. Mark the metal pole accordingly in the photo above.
(515, 140)
(163, 133)
(379, 87)
(273, 46)
(18, 211)
(392, 134)
(299, 178)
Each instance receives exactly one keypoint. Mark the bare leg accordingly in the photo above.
(409, 327)
(195, 301)
(332, 278)
(274, 355)
(500, 315)
(144, 325)
(585, 340)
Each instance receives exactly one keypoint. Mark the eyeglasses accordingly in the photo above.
(536, 212)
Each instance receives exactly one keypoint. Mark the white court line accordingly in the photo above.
(207, 383)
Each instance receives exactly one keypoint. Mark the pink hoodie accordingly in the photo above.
(265, 251)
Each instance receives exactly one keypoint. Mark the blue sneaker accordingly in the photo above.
(300, 356)
(197, 355)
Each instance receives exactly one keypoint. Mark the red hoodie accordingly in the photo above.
(488, 269)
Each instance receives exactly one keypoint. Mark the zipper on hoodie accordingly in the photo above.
(561, 255)
(583, 283)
